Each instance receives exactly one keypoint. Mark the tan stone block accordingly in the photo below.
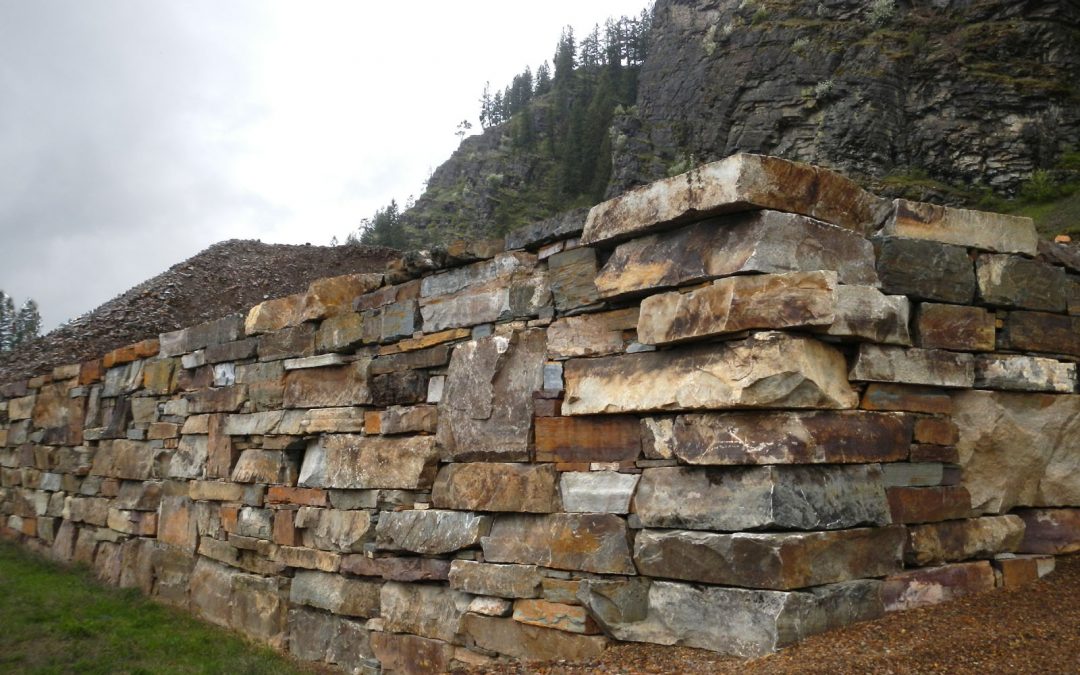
(975, 229)
(569, 618)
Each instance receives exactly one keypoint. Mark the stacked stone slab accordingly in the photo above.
(728, 410)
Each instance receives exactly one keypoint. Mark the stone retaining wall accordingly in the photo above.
(730, 410)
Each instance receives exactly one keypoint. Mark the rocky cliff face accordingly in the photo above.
(938, 99)
(968, 92)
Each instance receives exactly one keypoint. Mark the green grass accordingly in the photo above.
(55, 619)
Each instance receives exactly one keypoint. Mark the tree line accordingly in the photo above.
(17, 326)
(560, 117)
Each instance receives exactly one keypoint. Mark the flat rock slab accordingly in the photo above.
(778, 561)
(1012, 281)
(865, 313)
(736, 621)
(932, 367)
(403, 653)
(1053, 531)
(765, 370)
(503, 581)
(586, 542)
(963, 227)
(331, 387)
(1014, 372)
(738, 183)
(922, 587)
(484, 486)
(1041, 332)
(955, 540)
(597, 491)
(768, 497)
(926, 270)
(335, 593)
(347, 461)
(762, 242)
(485, 413)
(955, 327)
(607, 438)
(530, 643)
(591, 334)
(430, 531)
(734, 304)
(1018, 449)
(428, 611)
(778, 437)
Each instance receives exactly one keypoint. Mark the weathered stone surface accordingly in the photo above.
(483, 486)
(332, 387)
(430, 531)
(215, 332)
(317, 636)
(1012, 281)
(321, 420)
(433, 357)
(189, 460)
(339, 333)
(975, 229)
(129, 460)
(530, 643)
(365, 462)
(520, 295)
(306, 558)
(572, 274)
(287, 343)
(202, 490)
(610, 438)
(569, 618)
(402, 420)
(865, 313)
(587, 542)
(928, 504)
(955, 327)
(597, 491)
(397, 569)
(1014, 372)
(401, 653)
(139, 496)
(764, 241)
(398, 388)
(334, 295)
(486, 409)
(177, 524)
(918, 588)
(536, 234)
(489, 606)
(344, 531)
(429, 611)
(935, 543)
(734, 304)
(769, 497)
(274, 314)
(905, 398)
(335, 593)
(740, 182)
(778, 438)
(1018, 449)
(504, 581)
(779, 561)
(1041, 332)
(934, 367)
(926, 270)
(767, 369)
(219, 399)
(211, 591)
(460, 278)
(736, 621)
(391, 322)
(592, 334)
(1053, 531)
(914, 474)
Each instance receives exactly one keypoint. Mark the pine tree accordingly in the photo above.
(7, 321)
(385, 228)
(565, 56)
(543, 79)
(27, 323)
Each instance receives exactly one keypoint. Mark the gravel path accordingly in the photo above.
(1034, 629)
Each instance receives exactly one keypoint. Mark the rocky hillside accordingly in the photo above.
(958, 101)
(227, 277)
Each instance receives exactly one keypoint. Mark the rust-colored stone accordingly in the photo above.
(907, 398)
(936, 431)
(611, 438)
(1042, 332)
(955, 327)
(921, 587)
(928, 504)
(280, 494)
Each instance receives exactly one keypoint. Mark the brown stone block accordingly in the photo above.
(925, 270)
(220, 399)
(592, 334)
(922, 452)
(955, 540)
(613, 438)
(1042, 332)
(928, 504)
(929, 586)
(1053, 531)
(275, 314)
(485, 486)
(331, 387)
(954, 327)
(307, 558)
(119, 357)
(530, 643)
(907, 398)
(280, 494)
(287, 343)
(738, 183)
(433, 357)
(398, 388)
(426, 341)
(285, 532)
(91, 372)
(936, 431)
(587, 542)
(403, 653)
(572, 275)
(409, 569)
(977, 229)
(1015, 572)
(569, 618)
(1012, 281)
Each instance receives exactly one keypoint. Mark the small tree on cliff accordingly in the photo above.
(27, 323)
(7, 322)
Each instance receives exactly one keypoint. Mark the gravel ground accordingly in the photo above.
(227, 277)
(1033, 629)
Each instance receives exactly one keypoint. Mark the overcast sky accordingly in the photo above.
(135, 133)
